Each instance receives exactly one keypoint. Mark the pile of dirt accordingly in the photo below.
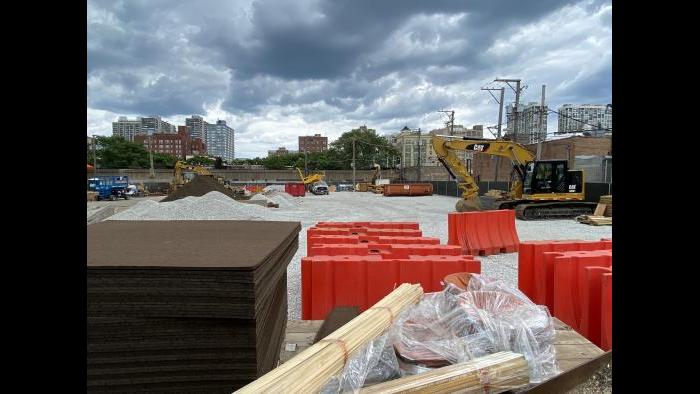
(198, 187)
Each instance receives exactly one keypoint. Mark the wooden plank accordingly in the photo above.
(303, 325)
(599, 210)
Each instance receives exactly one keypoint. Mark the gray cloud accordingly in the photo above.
(327, 65)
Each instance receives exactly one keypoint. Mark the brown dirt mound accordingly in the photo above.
(198, 187)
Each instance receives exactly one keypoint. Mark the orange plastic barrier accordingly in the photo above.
(591, 288)
(483, 233)
(312, 231)
(606, 313)
(535, 275)
(393, 251)
(572, 286)
(361, 281)
(314, 240)
(389, 225)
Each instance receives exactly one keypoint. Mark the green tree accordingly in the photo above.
(200, 161)
(370, 148)
(116, 152)
(161, 160)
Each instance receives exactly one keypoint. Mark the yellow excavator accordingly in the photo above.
(540, 189)
(377, 174)
(184, 173)
(311, 179)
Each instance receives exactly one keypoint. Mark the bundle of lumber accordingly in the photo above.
(494, 373)
(595, 220)
(607, 201)
(311, 369)
(185, 306)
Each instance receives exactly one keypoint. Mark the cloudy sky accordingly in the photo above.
(276, 69)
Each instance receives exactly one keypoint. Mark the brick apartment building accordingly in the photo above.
(313, 143)
(178, 145)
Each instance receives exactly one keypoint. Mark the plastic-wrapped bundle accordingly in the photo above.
(455, 326)
(375, 363)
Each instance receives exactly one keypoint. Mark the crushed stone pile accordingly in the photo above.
(199, 186)
(283, 199)
(260, 197)
(271, 188)
(211, 206)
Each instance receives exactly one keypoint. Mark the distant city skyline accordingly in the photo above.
(331, 66)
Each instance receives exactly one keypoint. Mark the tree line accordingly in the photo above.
(370, 148)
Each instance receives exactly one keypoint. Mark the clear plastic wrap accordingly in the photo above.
(454, 326)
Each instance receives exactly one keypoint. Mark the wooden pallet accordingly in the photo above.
(572, 349)
(595, 220)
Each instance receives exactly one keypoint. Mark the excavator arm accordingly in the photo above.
(313, 178)
(445, 148)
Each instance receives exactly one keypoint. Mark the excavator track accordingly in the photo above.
(553, 210)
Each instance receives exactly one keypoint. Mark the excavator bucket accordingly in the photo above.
(470, 205)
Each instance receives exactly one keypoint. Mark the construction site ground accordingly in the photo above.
(100, 210)
(429, 211)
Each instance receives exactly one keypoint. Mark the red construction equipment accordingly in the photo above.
(295, 189)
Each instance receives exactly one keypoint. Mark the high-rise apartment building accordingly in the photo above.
(585, 117)
(126, 128)
(529, 117)
(197, 127)
(154, 124)
(220, 140)
(313, 143)
(129, 128)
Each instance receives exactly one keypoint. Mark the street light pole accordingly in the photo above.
(94, 156)
(353, 165)
(150, 154)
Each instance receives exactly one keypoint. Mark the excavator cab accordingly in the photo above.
(551, 176)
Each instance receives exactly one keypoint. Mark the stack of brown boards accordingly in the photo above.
(185, 306)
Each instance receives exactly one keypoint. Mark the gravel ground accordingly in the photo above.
(120, 205)
(429, 211)
(601, 382)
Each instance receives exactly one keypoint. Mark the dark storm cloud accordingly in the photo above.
(349, 60)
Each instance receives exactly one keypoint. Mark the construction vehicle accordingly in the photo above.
(311, 179)
(109, 187)
(540, 189)
(184, 173)
(319, 188)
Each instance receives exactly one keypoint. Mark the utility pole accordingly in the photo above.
(500, 106)
(150, 154)
(419, 161)
(94, 156)
(500, 113)
(542, 130)
(516, 110)
(353, 165)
